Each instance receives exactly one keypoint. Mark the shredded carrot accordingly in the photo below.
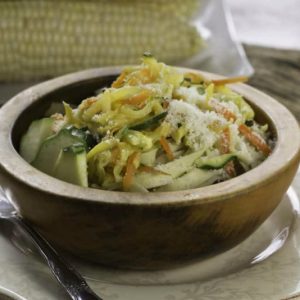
(130, 170)
(147, 169)
(230, 80)
(119, 81)
(138, 99)
(224, 148)
(142, 76)
(88, 102)
(165, 145)
(224, 145)
(222, 110)
(254, 139)
(146, 75)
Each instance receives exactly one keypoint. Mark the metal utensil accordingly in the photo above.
(66, 275)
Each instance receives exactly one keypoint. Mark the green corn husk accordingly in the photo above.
(41, 39)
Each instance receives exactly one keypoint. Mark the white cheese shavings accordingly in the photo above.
(243, 149)
(159, 89)
(232, 107)
(190, 95)
(199, 135)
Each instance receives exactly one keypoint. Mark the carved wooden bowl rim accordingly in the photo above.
(284, 155)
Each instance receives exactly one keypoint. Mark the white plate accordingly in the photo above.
(265, 266)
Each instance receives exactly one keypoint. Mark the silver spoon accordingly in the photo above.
(66, 275)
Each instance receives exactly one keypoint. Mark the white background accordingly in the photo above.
(273, 23)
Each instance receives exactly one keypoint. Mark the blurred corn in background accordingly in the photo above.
(41, 39)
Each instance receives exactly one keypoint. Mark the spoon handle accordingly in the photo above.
(66, 275)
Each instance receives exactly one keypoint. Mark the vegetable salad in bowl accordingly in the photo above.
(154, 129)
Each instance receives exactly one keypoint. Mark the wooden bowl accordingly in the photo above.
(142, 231)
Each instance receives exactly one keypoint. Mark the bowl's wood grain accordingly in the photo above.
(154, 230)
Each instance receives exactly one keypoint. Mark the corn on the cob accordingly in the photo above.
(41, 39)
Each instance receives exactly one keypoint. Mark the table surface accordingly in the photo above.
(277, 72)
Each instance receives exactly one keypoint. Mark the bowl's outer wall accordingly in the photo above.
(147, 237)
(136, 235)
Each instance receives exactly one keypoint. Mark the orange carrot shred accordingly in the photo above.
(147, 169)
(230, 80)
(119, 81)
(130, 170)
(224, 148)
(138, 99)
(165, 145)
(222, 110)
(225, 141)
(254, 139)
(146, 75)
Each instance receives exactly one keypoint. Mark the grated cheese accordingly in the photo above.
(190, 95)
(196, 122)
(244, 150)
